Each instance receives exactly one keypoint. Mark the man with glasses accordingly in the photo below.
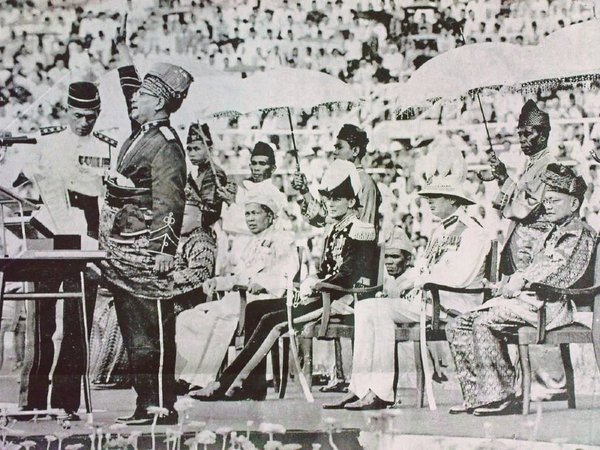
(140, 226)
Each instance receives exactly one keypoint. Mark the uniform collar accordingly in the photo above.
(452, 219)
(154, 124)
(345, 221)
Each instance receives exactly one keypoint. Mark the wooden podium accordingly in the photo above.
(40, 261)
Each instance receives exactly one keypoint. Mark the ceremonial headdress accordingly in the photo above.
(169, 82)
(199, 132)
(563, 179)
(341, 180)
(446, 175)
(266, 195)
(532, 116)
(84, 95)
(264, 149)
(355, 136)
(399, 241)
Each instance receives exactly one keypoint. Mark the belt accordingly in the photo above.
(118, 196)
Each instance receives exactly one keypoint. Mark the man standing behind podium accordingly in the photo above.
(73, 156)
(140, 225)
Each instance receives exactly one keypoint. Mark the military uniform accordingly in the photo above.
(137, 224)
(454, 257)
(76, 164)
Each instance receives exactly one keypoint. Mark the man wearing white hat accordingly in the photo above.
(261, 267)
(454, 257)
(349, 259)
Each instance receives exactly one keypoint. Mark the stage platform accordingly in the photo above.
(549, 422)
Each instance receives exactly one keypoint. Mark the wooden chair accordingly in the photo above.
(574, 333)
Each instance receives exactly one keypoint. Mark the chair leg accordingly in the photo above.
(566, 358)
(285, 367)
(526, 368)
(339, 364)
(276, 366)
(420, 374)
(307, 359)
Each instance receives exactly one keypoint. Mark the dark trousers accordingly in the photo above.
(249, 366)
(148, 329)
(39, 353)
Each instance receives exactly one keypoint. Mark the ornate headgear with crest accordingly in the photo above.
(446, 176)
(563, 179)
(199, 132)
(533, 116)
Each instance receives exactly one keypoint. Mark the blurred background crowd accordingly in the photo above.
(47, 43)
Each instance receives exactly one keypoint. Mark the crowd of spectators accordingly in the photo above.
(44, 44)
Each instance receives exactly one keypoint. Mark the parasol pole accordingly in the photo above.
(490, 151)
(289, 113)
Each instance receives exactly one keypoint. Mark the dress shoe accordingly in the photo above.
(182, 387)
(348, 398)
(461, 409)
(144, 418)
(338, 386)
(367, 403)
(439, 378)
(499, 408)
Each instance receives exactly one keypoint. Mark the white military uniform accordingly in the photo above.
(454, 257)
(204, 333)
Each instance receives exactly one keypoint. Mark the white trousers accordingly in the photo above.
(203, 335)
(375, 322)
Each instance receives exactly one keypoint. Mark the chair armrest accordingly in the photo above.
(435, 289)
(547, 290)
(326, 314)
(328, 287)
(243, 303)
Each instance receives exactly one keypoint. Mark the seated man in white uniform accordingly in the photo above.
(455, 257)
(204, 333)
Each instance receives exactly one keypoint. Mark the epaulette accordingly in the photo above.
(362, 231)
(104, 138)
(168, 133)
(51, 130)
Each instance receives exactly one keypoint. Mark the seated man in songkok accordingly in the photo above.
(204, 333)
(560, 259)
(454, 257)
(349, 259)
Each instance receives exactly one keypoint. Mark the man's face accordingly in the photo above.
(441, 206)
(530, 139)
(82, 121)
(395, 262)
(144, 105)
(343, 150)
(559, 206)
(197, 152)
(257, 218)
(338, 207)
(261, 168)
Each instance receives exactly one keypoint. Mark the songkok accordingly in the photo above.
(167, 81)
(354, 136)
(264, 149)
(341, 180)
(266, 195)
(199, 132)
(532, 116)
(399, 241)
(563, 179)
(84, 95)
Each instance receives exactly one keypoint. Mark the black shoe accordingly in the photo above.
(348, 398)
(367, 403)
(339, 386)
(70, 416)
(182, 387)
(461, 409)
(439, 378)
(499, 408)
(141, 418)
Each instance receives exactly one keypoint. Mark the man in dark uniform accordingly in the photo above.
(140, 225)
(75, 157)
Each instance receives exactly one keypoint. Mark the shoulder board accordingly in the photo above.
(362, 231)
(104, 138)
(168, 133)
(51, 130)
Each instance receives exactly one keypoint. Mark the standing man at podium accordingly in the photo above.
(67, 171)
(140, 226)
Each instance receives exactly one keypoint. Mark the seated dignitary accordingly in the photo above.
(560, 259)
(261, 267)
(349, 259)
(454, 257)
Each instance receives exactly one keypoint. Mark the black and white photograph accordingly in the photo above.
(299, 224)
